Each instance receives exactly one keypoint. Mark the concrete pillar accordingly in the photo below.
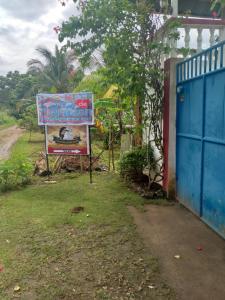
(174, 4)
(199, 39)
(169, 127)
(187, 37)
(211, 36)
(222, 34)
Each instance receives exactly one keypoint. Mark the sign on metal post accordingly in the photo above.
(67, 140)
(67, 119)
(65, 109)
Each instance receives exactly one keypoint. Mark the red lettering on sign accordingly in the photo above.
(83, 103)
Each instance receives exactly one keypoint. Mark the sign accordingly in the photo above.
(65, 109)
(67, 140)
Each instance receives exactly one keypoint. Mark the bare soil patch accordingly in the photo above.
(8, 137)
(191, 255)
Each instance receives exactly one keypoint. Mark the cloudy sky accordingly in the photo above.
(26, 24)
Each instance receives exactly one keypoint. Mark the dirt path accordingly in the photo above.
(173, 230)
(8, 137)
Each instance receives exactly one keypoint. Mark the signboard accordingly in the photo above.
(67, 140)
(65, 109)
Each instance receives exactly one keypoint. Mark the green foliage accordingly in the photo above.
(21, 106)
(218, 8)
(14, 174)
(75, 78)
(133, 162)
(115, 112)
(29, 119)
(96, 83)
(17, 171)
(5, 119)
(127, 30)
(57, 73)
(128, 34)
(107, 109)
(14, 87)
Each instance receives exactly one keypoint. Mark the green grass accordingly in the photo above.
(53, 254)
(29, 149)
(18, 169)
(6, 120)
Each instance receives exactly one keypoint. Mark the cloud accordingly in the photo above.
(6, 30)
(26, 9)
(8, 34)
(3, 61)
(19, 37)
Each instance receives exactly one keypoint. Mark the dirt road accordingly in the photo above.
(198, 271)
(8, 137)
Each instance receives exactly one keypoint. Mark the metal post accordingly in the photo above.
(90, 154)
(46, 152)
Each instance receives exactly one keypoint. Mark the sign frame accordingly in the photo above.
(65, 99)
(67, 152)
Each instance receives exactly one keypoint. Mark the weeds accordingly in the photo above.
(14, 174)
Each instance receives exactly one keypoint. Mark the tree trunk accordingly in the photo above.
(120, 122)
(109, 151)
(138, 120)
(30, 135)
(112, 149)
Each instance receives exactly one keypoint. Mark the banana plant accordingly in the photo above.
(106, 111)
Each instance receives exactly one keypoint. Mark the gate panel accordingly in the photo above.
(189, 135)
(215, 106)
(213, 196)
(213, 202)
(189, 173)
(190, 107)
(201, 135)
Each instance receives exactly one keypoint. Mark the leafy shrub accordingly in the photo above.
(23, 172)
(6, 119)
(29, 119)
(14, 174)
(133, 162)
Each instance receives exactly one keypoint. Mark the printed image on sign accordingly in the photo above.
(68, 140)
(69, 109)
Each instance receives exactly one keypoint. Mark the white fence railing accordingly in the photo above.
(194, 34)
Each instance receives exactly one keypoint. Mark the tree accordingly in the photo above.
(96, 82)
(218, 8)
(57, 70)
(29, 119)
(14, 87)
(126, 30)
(111, 114)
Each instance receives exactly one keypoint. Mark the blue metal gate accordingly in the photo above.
(201, 135)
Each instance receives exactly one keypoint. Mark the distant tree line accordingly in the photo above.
(53, 72)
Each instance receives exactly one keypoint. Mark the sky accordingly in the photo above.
(27, 24)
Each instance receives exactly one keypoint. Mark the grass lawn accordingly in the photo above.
(26, 148)
(6, 120)
(51, 253)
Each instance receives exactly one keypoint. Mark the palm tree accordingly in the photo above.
(55, 69)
